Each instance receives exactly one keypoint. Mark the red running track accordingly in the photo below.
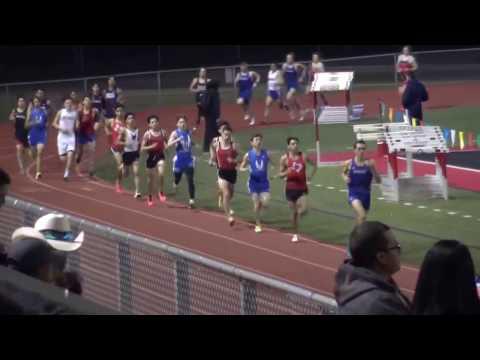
(309, 263)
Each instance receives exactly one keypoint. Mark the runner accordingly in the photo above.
(226, 154)
(275, 81)
(97, 100)
(115, 130)
(131, 154)
(37, 122)
(183, 161)
(246, 81)
(199, 87)
(154, 142)
(293, 166)
(87, 126)
(358, 173)
(316, 66)
(19, 116)
(294, 74)
(45, 103)
(112, 97)
(406, 63)
(76, 105)
(65, 122)
(257, 161)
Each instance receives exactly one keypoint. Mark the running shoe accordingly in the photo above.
(295, 238)
(38, 176)
(137, 195)
(258, 229)
(162, 197)
(150, 201)
(231, 221)
(118, 189)
(252, 122)
(191, 204)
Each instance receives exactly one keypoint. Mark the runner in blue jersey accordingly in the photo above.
(293, 74)
(358, 173)
(37, 120)
(112, 97)
(257, 160)
(183, 161)
(246, 81)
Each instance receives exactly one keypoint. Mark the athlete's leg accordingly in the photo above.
(293, 206)
(91, 157)
(40, 148)
(268, 105)
(136, 177)
(119, 162)
(257, 206)
(151, 174)
(360, 212)
(68, 165)
(21, 158)
(190, 171)
(161, 179)
(302, 205)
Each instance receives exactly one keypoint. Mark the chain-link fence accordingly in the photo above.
(135, 275)
(170, 87)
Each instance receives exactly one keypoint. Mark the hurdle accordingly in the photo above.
(401, 138)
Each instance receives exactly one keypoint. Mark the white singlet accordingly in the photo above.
(132, 141)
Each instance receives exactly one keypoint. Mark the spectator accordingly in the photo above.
(211, 105)
(413, 94)
(72, 281)
(4, 186)
(364, 284)
(446, 283)
(406, 62)
(31, 255)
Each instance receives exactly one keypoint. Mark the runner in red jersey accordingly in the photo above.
(115, 130)
(293, 166)
(154, 142)
(87, 126)
(226, 155)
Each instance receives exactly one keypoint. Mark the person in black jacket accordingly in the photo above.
(364, 283)
(413, 94)
(446, 282)
(211, 106)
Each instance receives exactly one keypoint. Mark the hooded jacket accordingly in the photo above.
(360, 291)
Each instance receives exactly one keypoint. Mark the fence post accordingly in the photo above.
(182, 286)
(125, 274)
(7, 92)
(159, 87)
(248, 293)
(85, 86)
(395, 69)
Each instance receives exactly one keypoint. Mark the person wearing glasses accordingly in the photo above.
(358, 173)
(364, 284)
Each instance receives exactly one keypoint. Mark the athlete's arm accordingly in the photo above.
(245, 161)
(374, 171)
(77, 122)
(108, 127)
(345, 171)
(257, 78)
(237, 79)
(55, 123)
(122, 139)
(414, 64)
(144, 146)
(193, 85)
(283, 167)
(213, 158)
(120, 96)
(302, 76)
(96, 124)
(173, 139)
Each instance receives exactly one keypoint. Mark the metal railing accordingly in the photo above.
(170, 87)
(136, 275)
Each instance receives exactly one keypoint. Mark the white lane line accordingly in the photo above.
(422, 207)
(319, 185)
(381, 198)
(467, 216)
(452, 213)
(437, 210)
(343, 190)
(330, 188)
(408, 204)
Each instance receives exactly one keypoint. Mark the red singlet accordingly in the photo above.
(87, 122)
(116, 127)
(297, 175)
(158, 140)
(223, 155)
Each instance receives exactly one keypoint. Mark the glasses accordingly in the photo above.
(58, 235)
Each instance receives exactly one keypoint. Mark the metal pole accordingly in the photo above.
(159, 57)
(395, 69)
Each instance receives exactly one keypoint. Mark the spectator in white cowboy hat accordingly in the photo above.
(58, 233)
(31, 255)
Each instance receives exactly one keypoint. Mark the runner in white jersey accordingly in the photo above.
(131, 153)
(65, 121)
(275, 81)
(316, 66)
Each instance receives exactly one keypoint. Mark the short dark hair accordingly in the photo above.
(366, 240)
(182, 116)
(359, 142)
(4, 178)
(446, 282)
(151, 117)
(256, 136)
(66, 98)
(292, 138)
(129, 114)
(243, 63)
(119, 106)
(223, 123)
